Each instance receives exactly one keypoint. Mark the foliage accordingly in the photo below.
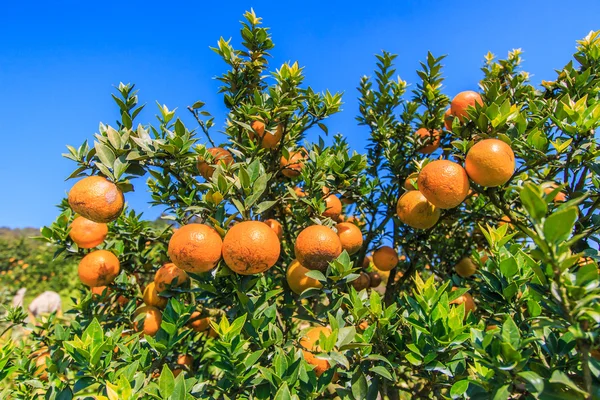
(534, 332)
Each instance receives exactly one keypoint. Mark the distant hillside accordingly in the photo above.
(17, 233)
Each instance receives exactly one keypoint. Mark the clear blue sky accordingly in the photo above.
(59, 60)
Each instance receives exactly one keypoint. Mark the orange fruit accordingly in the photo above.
(375, 279)
(350, 236)
(97, 199)
(490, 162)
(560, 197)
(385, 258)
(270, 140)
(505, 220)
(220, 156)
(297, 279)
(429, 141)
(411, 181)
(299, 191)
(152, 318)
(151, 297)
(465, 267)
(99, 290)
(86, 233)
(362, 282)
(462, 101)
(316, 246)
(41, 370)
(448, 118)
(276, 227)
(195, 248)
(98, 268)
(186, 361)
(367, 261)
(333, 207)
(444, 183)
(416, 211)
(250, 247)
(291, 167)
(310, 349)
(166, 276)
(199, 324)
(465, 299)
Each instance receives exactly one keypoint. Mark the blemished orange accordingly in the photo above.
(220, 156)
(98, 268)
(152, 298)
(350, 236)
(297, 279)
(86, 233)
(448, 119)
(151, 320)
(250, 247)
(199, 324)
(416, 211)
(467, 299)
(316, 246)
(385, 258)
(291, 167)
(362, 282)
(444, 183)
(429, 140)
(195, 248)
(268, 140)
(97, 199)
(375, 279)
(275, 226)
(465, 267)
(169, 275)
(310, 349)
(411, 181)
(490, 163)
(462, 101)
(333, 207)
(560, 197)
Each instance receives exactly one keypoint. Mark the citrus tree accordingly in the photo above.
(455, 259)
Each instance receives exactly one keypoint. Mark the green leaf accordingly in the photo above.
(459, 389)
(379, 370)
(558, 226)
(105, 154)
(509, 267)
(166, 382)
(359, 386)
(561, 378)
(502, 393)
(283, 393)
(534, 381)
(532, 201)
(264, 206)
(510, 333)
(316, 274)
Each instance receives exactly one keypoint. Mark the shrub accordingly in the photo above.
(524, 325)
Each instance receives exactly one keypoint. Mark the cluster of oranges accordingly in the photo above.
(290, 165)
(253, 247)
(444, 184)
